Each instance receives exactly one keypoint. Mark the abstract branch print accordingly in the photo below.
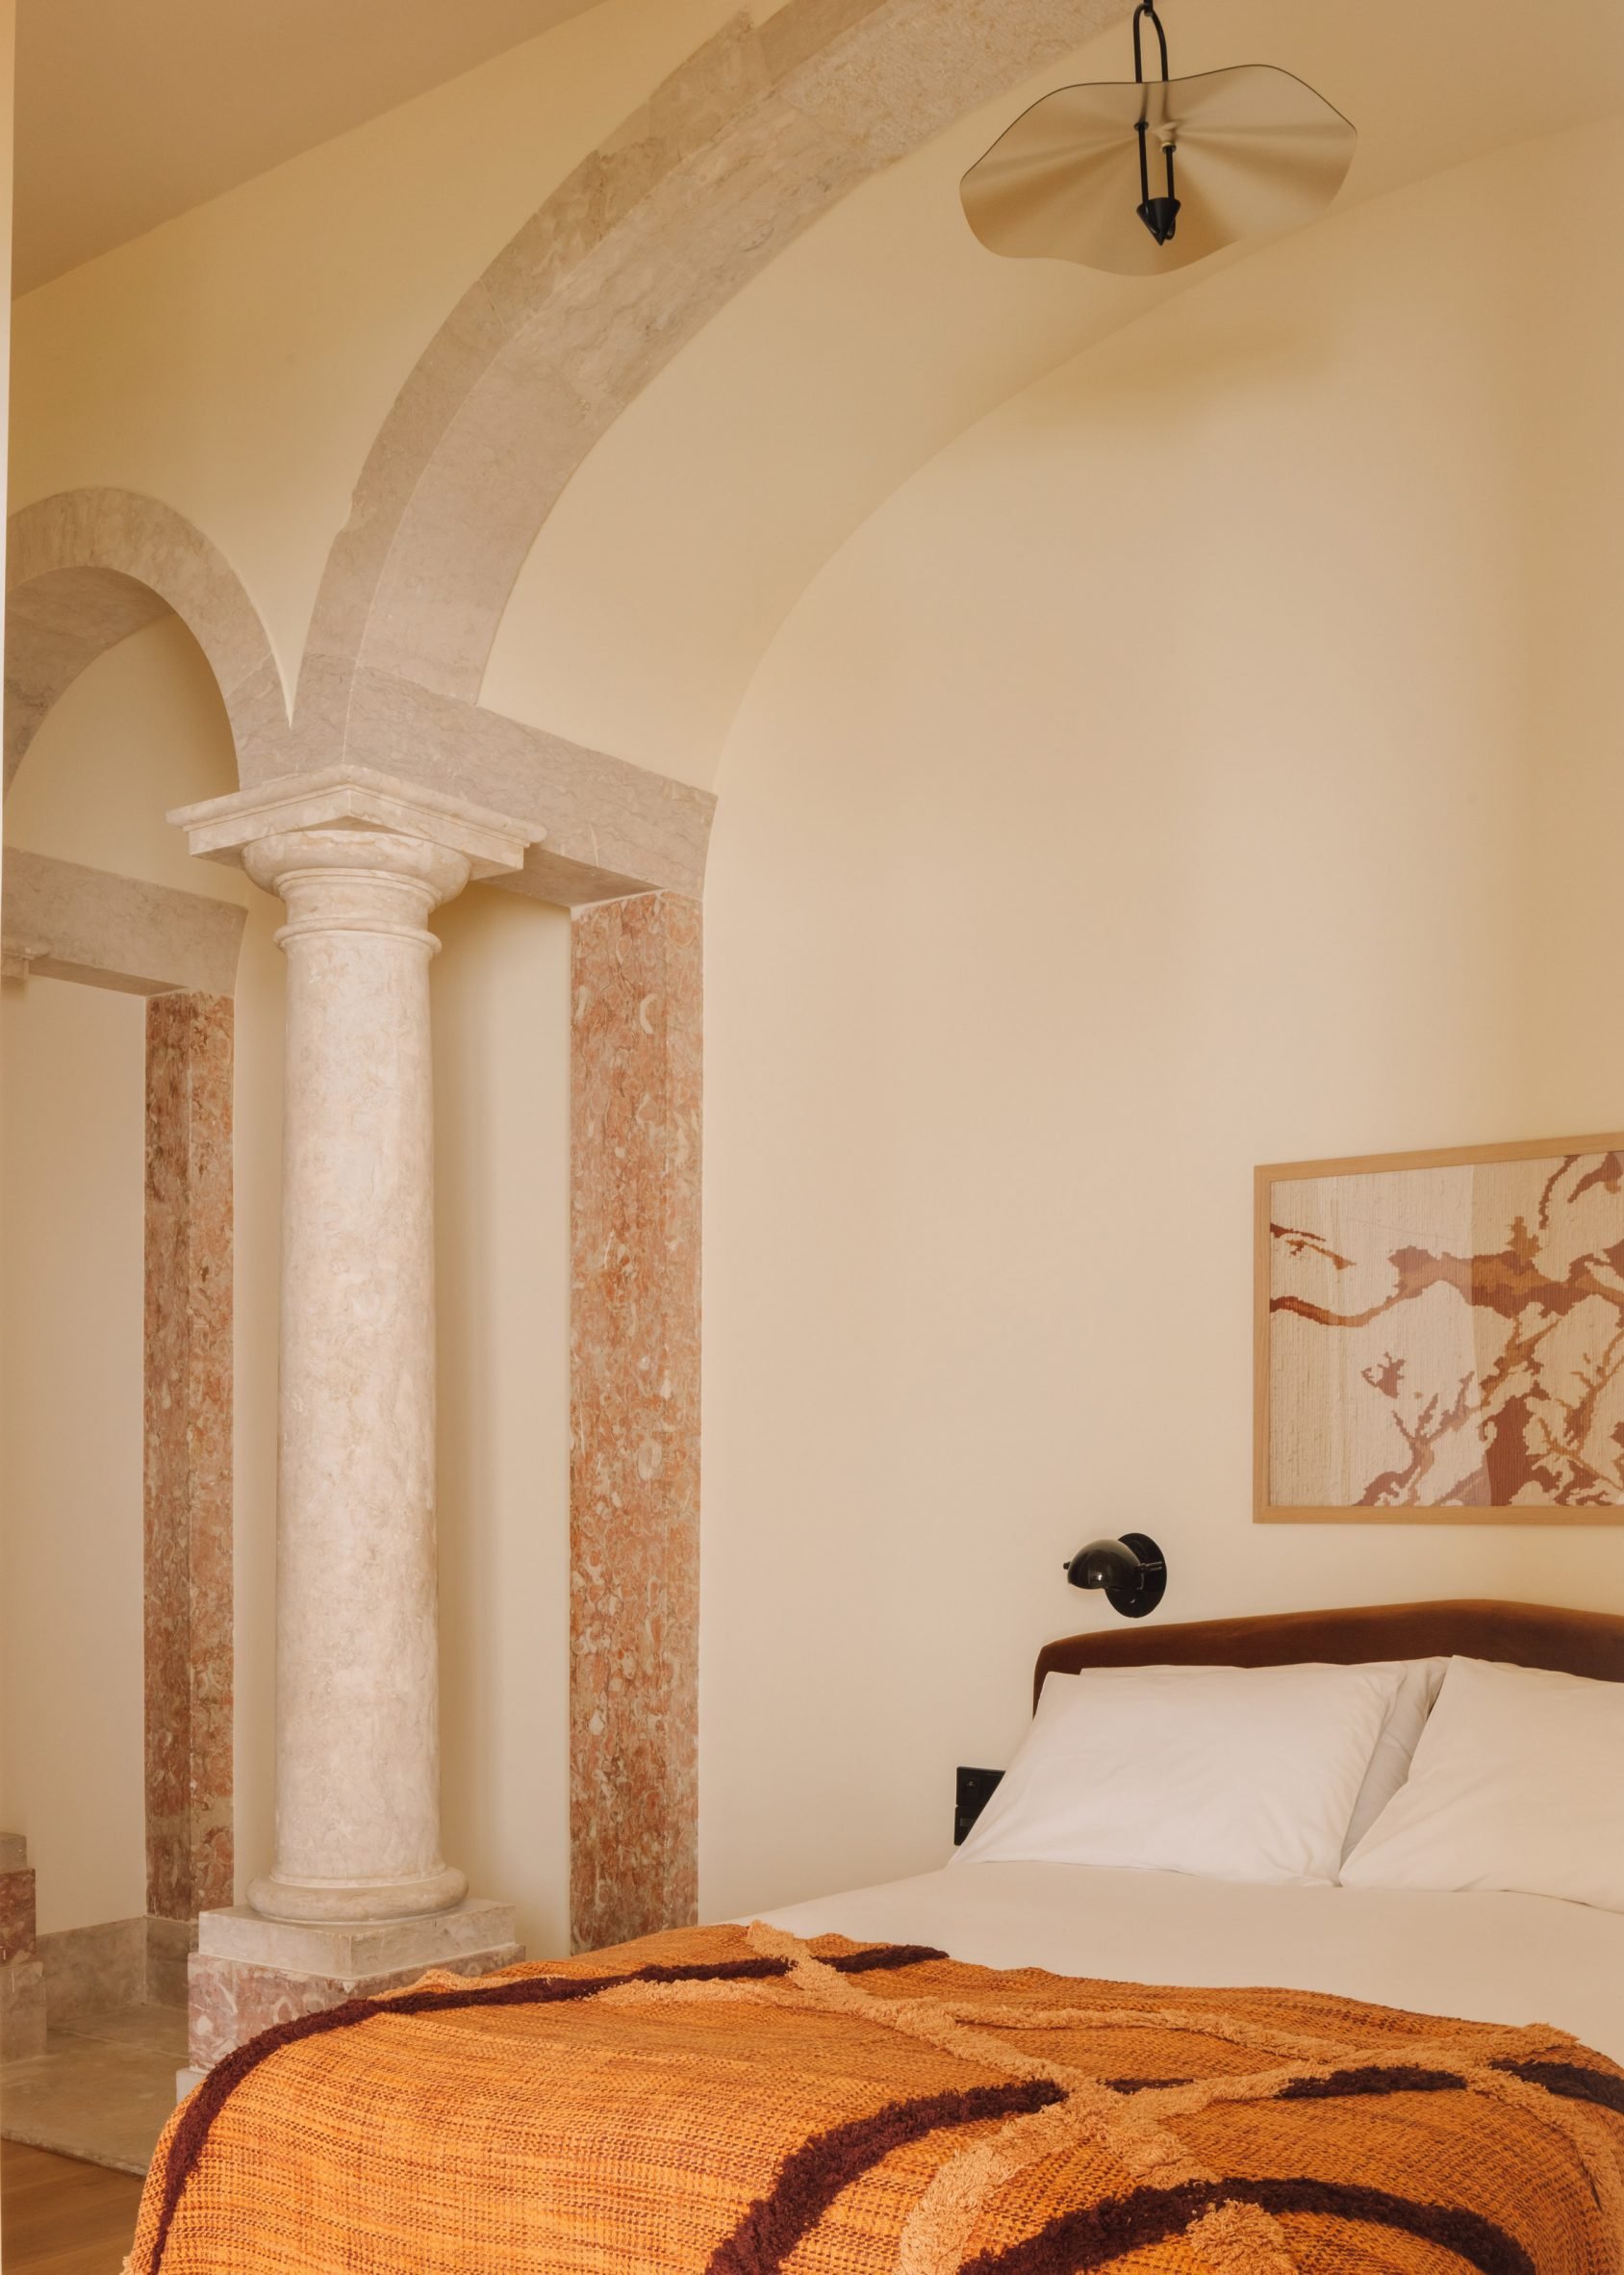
(1447, 1335)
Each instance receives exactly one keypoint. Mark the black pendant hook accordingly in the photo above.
(1147, 8)
(1160, 215)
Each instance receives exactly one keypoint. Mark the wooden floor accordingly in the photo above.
(60, 2217)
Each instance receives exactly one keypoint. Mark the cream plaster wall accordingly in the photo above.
(141, 731)
(1210, 758)
(71, 1112)
(501, 1008)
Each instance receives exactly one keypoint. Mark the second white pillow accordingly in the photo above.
(1238, 1773)
(1518, 1784)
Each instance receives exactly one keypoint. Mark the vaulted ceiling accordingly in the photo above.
(869, 344)
(886, 330)
(132, 111)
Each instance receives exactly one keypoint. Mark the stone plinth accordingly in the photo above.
(249, 1973)
(23, 1972)
(22, 2008)
(16, 1914)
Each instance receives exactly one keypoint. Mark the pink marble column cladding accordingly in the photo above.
(188, 1454)
(22, 1974)
(17, 1902)
(634, 1417)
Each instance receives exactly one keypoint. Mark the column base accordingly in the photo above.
(320, 1902)
(248, 1971)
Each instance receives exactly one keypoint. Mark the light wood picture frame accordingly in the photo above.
(1440, 1337)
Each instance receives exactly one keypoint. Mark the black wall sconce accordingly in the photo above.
(1133, 1572)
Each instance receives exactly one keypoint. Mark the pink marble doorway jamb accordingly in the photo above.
(187, 1474)
(634, 1417)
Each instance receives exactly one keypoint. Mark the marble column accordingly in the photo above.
(359, 861)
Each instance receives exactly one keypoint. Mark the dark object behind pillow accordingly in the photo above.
(976, 1788)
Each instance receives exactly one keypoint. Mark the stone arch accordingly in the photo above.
(762, 130)
(87, 568)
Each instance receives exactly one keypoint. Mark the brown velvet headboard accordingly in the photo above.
(1523, 1634)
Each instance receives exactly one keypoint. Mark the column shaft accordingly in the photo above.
(357, 1671)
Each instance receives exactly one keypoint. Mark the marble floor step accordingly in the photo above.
(102, 2090)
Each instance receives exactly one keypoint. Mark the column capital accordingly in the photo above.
(338, 797)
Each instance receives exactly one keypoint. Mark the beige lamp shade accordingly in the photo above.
(1256, 151)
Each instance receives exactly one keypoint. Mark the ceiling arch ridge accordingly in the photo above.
(760, 132)
(85, 569)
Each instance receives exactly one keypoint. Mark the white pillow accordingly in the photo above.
(1519, 1782)
(1419, 1683)
(1238, 1773)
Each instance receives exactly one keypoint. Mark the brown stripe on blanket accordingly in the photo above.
(1393, 2078)
(1571, 2080)
(880, 1955)
(1096, 2234)
(808, 2180)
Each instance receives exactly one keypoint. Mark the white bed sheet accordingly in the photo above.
(1480, 1955)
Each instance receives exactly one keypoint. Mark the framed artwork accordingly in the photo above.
(1440, 1337)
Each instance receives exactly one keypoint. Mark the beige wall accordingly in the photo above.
(501, 1008)
(141, 731)
(1210, 758)
(70, 1444)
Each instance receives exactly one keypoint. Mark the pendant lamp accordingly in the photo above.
(1148, 174)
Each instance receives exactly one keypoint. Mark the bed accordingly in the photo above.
(1002, 2068)
(1488, 1957)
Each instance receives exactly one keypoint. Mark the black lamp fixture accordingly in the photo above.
(1160, 215)
(1133, 1572)
(1256, 151)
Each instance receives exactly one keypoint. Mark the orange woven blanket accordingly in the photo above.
(733, 2101)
